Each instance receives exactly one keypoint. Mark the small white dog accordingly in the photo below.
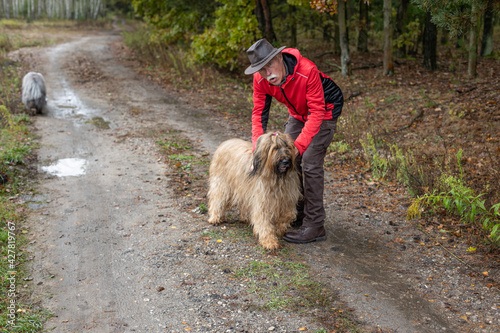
(34, 92)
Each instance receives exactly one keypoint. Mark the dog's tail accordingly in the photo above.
(34, 91)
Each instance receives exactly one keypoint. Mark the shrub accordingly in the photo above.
(460, 200)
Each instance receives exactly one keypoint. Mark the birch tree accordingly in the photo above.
(58, 9)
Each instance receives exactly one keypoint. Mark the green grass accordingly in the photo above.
(173, 143)
(181, 157)
(285, 285)
(17, 312)
(233, 231)
(15, 144)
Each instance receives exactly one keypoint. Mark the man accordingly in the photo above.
(314, 103)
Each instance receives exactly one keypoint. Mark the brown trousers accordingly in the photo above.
(310, 166)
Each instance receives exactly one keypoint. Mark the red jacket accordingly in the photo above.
(309, 95)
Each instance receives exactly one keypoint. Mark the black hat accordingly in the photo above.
(260, 54)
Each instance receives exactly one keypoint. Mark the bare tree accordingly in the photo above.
(388, 62)
(363, 26)
(293, 25)
(487, 40)
(400, 25)
(268, 21)
(430, 43)
(345, 59)
(473, 40)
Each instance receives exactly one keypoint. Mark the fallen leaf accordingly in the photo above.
(303, 329)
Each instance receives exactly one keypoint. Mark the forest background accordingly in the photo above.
(420, 80)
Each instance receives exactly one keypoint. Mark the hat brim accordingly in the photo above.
(257, 67)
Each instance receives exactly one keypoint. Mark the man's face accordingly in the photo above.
(274, 71)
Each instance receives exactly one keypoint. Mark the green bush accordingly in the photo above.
(460, 200)
(234, 31)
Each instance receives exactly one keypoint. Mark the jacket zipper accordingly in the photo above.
(294, 109)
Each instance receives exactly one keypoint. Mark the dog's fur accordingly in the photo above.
(34, 92)
(264, 186)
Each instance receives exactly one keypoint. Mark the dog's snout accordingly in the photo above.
(284, 165)
(286, 162)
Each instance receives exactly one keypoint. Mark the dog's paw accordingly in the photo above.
(270, 244)
(214, 221)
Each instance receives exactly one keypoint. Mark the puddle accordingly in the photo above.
(67, 167)
(35, 201)
(99, 122)
(65, 103)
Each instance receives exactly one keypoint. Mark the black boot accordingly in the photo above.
(306, 234)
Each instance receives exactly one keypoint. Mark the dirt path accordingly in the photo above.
(115, 251)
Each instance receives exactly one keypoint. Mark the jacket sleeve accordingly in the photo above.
(261, 107)
(316, 104)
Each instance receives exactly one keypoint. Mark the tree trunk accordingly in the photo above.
(487, 42)
(259, 14)
(293, 26)
(6, 9)
(400, 26)
(430, 43)
(337, 35)
(345, 60)
(473, 41)
(269, 31)
(363, 27)
(388, 62)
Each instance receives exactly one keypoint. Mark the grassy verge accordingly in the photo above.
(17, 312)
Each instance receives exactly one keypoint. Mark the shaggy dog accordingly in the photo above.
(34, 92)
(264, 186)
